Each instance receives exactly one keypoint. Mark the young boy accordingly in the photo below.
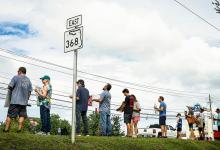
(179, 125)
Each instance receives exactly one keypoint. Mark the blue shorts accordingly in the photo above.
(190, 126)
(162, 120)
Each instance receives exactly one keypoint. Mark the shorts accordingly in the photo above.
(136, 119)
(127, 118)
(218, 128)
(190, 126)
(15, 110)
(162, 120)
(179, 129)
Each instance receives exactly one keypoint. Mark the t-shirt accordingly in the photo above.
(136, 107)
(179, 122)
(104, 106)
(46, 101)
(202, 116)
(128, 109)
(83, 94)
(22, 86)
(163, 104)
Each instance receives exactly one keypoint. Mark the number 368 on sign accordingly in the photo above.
(73, 39)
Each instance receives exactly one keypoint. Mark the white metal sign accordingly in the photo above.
(73, 39)
(74, 22)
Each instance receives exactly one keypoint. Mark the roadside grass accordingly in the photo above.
(24, 141)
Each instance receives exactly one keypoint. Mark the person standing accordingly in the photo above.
(82, 96)
(202, 117)
(218, 118)
(21, 88)
(162, 116)
(136, 116)
(191, 120)
(128, 111)
(44, 97)
(179, 124)
(104, 111)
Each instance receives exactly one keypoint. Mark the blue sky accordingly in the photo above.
(157, 43)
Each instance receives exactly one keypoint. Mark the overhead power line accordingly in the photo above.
(149, 91)
(99, 76)
(197, 15)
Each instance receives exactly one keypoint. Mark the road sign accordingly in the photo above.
(73, 39)
(74, 22)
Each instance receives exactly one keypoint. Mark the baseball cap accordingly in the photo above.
(46, 77)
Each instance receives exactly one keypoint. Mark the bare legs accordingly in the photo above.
(8, 123)
(129, 129)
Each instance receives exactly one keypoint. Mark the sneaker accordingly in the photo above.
(48, 133)
(134, 136)
(87, 135)
(78, 135)
(5, 131)
(41, 133)
(18, 131)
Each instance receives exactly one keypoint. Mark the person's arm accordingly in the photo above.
(43, 93)
(138, 107)
(161, 108)
(100, 100)
(12, 83)
(77, 95)
(30, 90)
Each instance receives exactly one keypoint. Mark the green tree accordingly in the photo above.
(116, 126)
(93, 121)
(56, 123)
(216, 3)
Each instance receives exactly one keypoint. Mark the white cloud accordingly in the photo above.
(136, 45)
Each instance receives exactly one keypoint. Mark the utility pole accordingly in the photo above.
(210, 107)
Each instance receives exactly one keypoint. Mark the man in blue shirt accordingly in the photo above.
(21, 88)
(82, 96)
(104, 111)
(162, 116)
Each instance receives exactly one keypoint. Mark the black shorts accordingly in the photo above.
(162, 120)
(179, 129)
(127, 118)
(15, 110)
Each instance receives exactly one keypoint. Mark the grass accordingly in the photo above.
(22, 141)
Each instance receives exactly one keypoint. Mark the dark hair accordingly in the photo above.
(22, 70)
(109, 86)
(135, 99)
(162, 98)
(125, 91)
(80, 81)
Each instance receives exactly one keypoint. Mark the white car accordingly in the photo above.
(155, 131)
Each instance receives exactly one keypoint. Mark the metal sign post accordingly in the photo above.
(74, 97)
(73, 40)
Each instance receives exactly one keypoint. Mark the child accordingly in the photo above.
(136, 116)
(179, 125)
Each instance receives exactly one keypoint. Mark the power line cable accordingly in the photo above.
(148, 91)
(201, 18)
(125, 82)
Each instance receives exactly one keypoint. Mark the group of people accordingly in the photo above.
(19, 92)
